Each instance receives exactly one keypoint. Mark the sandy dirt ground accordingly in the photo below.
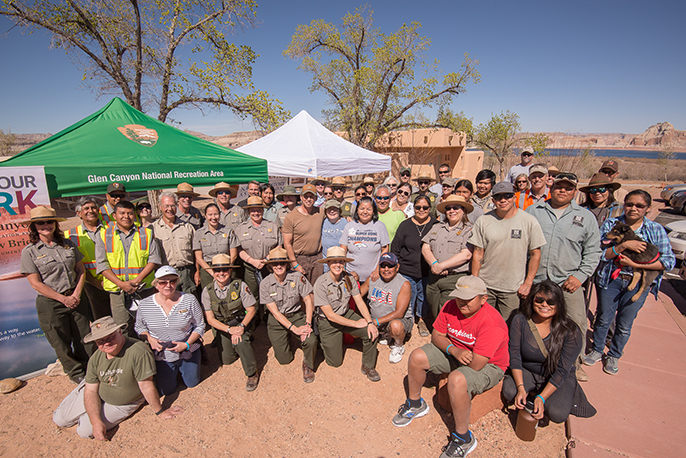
(341, 414)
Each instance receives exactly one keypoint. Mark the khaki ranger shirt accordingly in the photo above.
(281, 215)
(285, 295)
(247, 299)
(257, 241)
(193, 217)
(54, 264)
(333, 293)
(446, 242)
(177, 242)
(346, 209)
(212, 244)
(233, 217)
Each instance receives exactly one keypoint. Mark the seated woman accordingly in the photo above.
(332, 292)
(230, 307)
(282, 292)
(173, 324)
(544, 344)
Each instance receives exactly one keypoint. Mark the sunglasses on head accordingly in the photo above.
(540, 300)
(421, 207)
(599, 190)
(568, 175)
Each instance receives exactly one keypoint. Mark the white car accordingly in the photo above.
(676, 231)
(667, 191)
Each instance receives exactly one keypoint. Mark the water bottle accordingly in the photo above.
(526, 423)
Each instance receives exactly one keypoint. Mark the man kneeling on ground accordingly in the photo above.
(469, 342)
(118, 380)
(389, 300)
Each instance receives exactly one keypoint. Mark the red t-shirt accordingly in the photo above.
(484, 333)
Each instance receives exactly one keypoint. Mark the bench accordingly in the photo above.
(481, 403)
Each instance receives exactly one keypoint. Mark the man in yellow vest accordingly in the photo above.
(126, 256)
(84, 237)
(115, 192)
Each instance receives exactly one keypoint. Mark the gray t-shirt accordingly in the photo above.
(506, 244)
(383, 297)
(364, 242)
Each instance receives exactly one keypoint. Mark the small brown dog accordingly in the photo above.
(622, 232)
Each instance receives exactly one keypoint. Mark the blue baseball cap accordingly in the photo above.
(389, 258)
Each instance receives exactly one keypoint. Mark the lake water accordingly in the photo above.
(612, 153)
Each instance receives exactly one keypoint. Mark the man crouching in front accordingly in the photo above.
(469, 342)
(118, 380)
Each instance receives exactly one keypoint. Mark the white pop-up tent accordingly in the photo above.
(304, 148)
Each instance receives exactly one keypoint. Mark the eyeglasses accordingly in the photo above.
(599, 190)
(328, 194)
(386, 265)
(631, 205)
(540, 300)
(421, 207)
(403, 193)
(453, 208)
(167, 282)
(382, 198)
(506, 196)
(421, 182)
(221, 193)
(106, 340)
(44, 223)
(117, 195)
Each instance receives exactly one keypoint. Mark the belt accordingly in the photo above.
(625, 277)
(68, 292)
(184, 267)
(289, 315)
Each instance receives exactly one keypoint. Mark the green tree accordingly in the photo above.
(133, 48)
(371, 77)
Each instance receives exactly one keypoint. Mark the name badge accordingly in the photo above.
(246, 234)
(183, 311)
(273, 294)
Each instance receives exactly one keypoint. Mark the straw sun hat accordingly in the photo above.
(43, 213)
(454, 199)
(335, 253)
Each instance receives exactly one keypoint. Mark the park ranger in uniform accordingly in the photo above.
(229, 215)
(290, 197)
(283, 292)
(185, 210)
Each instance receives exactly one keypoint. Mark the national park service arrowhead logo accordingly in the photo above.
(139, 134)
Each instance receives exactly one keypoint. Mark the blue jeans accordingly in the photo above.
(418, 289)
(166, 373)
(616, 300)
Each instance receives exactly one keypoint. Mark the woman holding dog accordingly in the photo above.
(615, 274)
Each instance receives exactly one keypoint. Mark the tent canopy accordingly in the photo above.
(304, 148)
(120, 144)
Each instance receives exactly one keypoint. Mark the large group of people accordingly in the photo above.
(498, 274)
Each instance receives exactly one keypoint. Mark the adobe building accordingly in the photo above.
(421, 147)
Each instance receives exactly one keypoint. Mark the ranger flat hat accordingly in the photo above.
(186, 188)
(222, 260)
(338, 181)
(43, 213)
(222, 186)
(335, 253)
(278, 254)
(454, 199)
(320, 179)
(101, 328)
(254, 202)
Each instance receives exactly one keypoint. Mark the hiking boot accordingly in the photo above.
(610, 365)
(251, 384)
(371, 374)
(308, 374)
(581, 375)
(423, 331)
(406, 413)
(458, 447)
(397, 352)
(592, 358)
(76, 380)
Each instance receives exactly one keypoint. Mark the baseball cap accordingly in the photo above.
(405, 169)
(538, 168)
(569, 177)
(112, 187)
(527, 149)
(468, 287)
(308, 188)
(332, 203)
(503, 187)
(389, 258)
(611, 165)
(164, 271)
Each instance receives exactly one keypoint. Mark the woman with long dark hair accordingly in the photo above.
(600, 198)
(544, 344)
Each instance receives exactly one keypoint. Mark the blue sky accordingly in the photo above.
(576, 67)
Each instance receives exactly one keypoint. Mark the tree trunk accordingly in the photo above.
(154, 199)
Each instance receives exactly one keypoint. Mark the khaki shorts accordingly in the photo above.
(477, 381)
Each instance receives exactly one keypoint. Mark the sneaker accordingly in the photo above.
(592, 358)
(371, 374)
(382, 342)
(308, 374)
(610, 366)
(423, 331)
(406, 413)
(397, 352)
(458, 447)
(251, 384)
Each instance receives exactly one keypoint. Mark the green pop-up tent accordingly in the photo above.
(120, 144)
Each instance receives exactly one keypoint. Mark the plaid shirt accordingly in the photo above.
(649, 231)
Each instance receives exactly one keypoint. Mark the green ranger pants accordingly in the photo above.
(280, 338)
(331, 340)
(229, 353)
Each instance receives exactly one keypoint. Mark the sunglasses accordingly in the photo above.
(521, 182)
(361, 194)
(328, 194)
(44, 223)
(405, 174)
(403, 193)
(599, 190)
(527, 154)
(117, 196)
(395, 185)
(106, 340)
(453, 208)
(540, 300)
(631, 205)
(280, 263)
(144, 207)
(607, 172)
(167, 282)
(338, 188)
(421, 207)
(221, 193)
(386, 265)
(423, 182)
(506, 196)
(221, 269)
(185, 196)
(443, 172)
(382, 198)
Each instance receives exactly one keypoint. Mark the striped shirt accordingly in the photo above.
(184, 318)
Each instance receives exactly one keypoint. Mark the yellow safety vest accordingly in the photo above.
(126, 269)
(106, 218)
(87, 248)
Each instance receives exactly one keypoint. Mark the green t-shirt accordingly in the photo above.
(392, 220)
(118, 377)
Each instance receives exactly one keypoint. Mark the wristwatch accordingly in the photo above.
(241, 325)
